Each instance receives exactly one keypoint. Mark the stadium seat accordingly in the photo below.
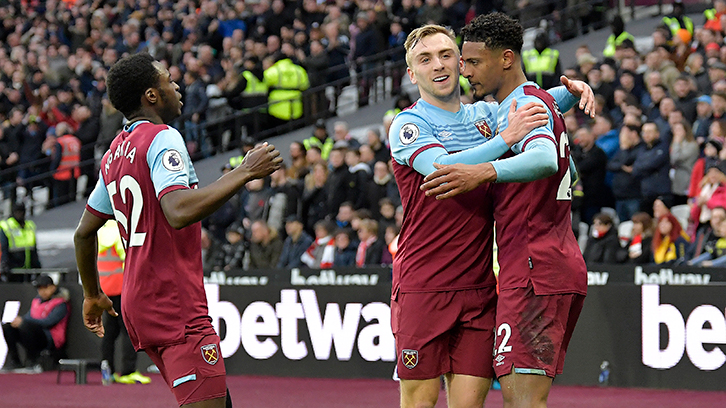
(625, 232)
(682, 212)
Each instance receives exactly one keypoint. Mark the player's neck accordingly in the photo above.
(512, 80)
(142, 115)
(452, 104)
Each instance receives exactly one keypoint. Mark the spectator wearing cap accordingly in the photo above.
(704, 117)
(320, 139)
(295, 244)
(17, 241)
(625, 187)
(43, 327)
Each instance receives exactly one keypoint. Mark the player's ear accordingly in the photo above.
(507, 59)
(151, 95)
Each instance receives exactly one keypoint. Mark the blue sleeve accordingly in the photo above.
(411, 137)
(542, 130)
(169, 161)
(720, 261)
(99, 199)
(537, 162)
(564, 98)
(706, 256)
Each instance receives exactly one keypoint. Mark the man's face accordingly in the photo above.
(45, 292)
(482, 67)
(169, 104)
(435, 67)
(650, 133)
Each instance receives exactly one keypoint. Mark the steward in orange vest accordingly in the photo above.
(111, 255)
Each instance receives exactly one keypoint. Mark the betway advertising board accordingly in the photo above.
(337, 324)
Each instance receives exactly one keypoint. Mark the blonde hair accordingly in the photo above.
(422, 32)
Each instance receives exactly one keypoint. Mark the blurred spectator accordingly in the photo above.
(321, 253)
(18, 244)
(387, 211)
(316, 65)
(65, 153)
(285, 198)
(360, 178)
(607, 136)
(706, 237)
(43, 327)
(391, 239)
(713, 16)
(704, 117)
(603, 244)
(286, 81)
(542, 63)
(685, 96)
(344, 215)
(669, 241)
(110, 124)
(367, 44)
(639, 246)
(711, 150)
(683, 153)
(383, 185)
(298, 165)
(341, 134)
(233, 250)
(295, 245)
(194, 108)
(380, 151)
(8, 159)
(678, 20)
(265, 246)
(315, 205)
(652, 167)
(617, 37)
(340, 181)
(345, 249)
(320, 139)
(255, 202)
(626, 187)
(370, 249)
(591, 163)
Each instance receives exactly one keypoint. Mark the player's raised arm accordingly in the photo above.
(186, 206)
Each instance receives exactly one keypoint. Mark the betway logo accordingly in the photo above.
(597, 278)
(705, 325)
(329, 277)
(667, 277)
(261, 322)
(220, 278)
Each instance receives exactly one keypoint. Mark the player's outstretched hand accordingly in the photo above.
(262, 160)
(454, 179)
(93, 308)
(583, 91)
(523, 120)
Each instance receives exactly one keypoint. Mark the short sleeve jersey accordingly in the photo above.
(163, 290)
(534, 229)
(444, 245)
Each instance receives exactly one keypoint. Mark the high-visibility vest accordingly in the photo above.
(70, 158)
(325, 147)
(464, 84)
(613, 42)
(538, 64)
(674, 25)
(286, 82)
(710, 14)
(20, 239)
(111, 256)
(254, 85)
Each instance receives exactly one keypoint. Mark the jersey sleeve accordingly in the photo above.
(538, 161)
(409, 136)
(99, 202)
(563, 97)
(169, 163)
(540, 132)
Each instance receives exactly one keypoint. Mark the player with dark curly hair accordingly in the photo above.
(148, 185)
(543, 279)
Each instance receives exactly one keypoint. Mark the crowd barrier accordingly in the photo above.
(657, 327)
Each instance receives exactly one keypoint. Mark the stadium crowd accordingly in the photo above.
(657, 138)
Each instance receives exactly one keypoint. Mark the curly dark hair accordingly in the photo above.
(127, 81)
(497, 31)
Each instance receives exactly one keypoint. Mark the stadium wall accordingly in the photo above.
(657, 327)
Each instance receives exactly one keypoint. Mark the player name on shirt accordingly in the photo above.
(125, 150)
